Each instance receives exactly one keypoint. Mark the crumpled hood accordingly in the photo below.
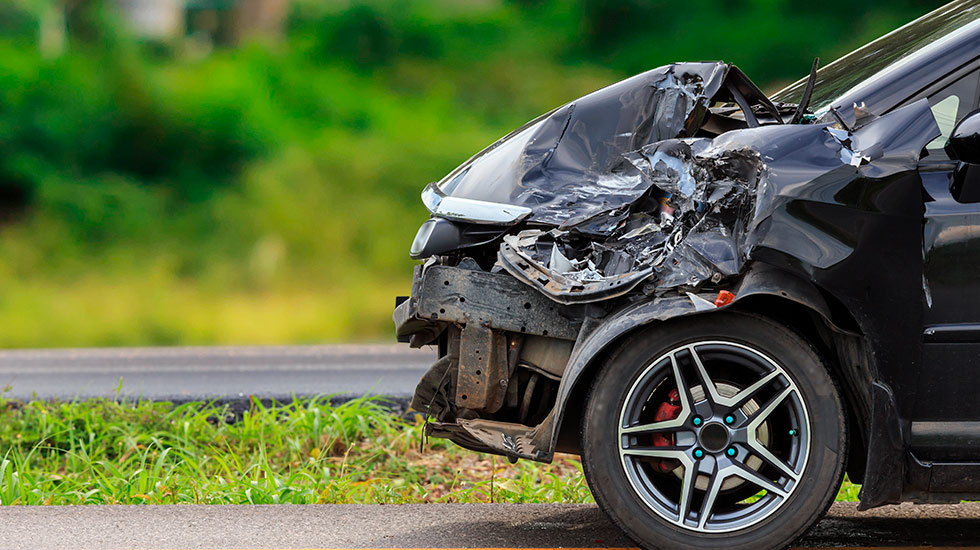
(641, 182)
(568, 165)
(797, 194)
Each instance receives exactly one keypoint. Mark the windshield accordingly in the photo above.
(847, 72)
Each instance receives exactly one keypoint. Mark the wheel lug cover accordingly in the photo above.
(729, 419)
(698, 453)
(731, 451)
(697, 421)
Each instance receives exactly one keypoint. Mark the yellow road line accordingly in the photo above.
(633, 548)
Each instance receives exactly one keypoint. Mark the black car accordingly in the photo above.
(722, 300)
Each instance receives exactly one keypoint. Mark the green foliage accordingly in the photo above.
(268, 192)
(306, 451)
(772, 41)
(87, 115)
(102, 452)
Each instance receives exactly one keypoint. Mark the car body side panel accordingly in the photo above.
(952, 272)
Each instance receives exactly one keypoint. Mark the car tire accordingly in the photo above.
(728, 504)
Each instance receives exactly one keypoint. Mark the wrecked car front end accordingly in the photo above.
(681, 191)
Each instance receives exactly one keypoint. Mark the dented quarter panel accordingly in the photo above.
(853, 231)
(865, 231)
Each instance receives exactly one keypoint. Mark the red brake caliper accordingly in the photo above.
(668, 410)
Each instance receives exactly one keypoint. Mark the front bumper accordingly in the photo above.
(480, 320)
(410, 327)
(443, 295)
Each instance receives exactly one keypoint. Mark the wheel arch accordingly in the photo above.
(780, 296)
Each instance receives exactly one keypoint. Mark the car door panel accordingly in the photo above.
(950, 370)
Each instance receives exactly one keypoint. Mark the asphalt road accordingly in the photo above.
(426, 526)
(213, 372)
(279, 372)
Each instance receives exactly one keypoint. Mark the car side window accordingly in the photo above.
(945, 111)
(950, 104)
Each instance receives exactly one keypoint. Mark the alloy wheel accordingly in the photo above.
(714, 436)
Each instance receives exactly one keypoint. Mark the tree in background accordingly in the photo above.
(220, 186)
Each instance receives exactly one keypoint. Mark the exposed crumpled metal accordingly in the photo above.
(567, 166)
(624, 188)
(710, 202)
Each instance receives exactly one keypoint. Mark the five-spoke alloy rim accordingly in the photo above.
(714, 436)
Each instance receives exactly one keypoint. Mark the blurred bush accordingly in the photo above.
(161, 192)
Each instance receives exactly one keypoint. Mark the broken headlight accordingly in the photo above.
(439, 236)
(436, 236)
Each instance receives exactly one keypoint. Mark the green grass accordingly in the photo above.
(848, 491)
(103, 452)
(308, 451)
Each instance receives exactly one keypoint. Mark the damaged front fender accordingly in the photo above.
(762, 280)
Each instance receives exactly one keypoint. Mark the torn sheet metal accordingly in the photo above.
(651, 181)
(567, 166)
(505, 438)
(710, 202)
(565, 274)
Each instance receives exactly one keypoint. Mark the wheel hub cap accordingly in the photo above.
(714, 437)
